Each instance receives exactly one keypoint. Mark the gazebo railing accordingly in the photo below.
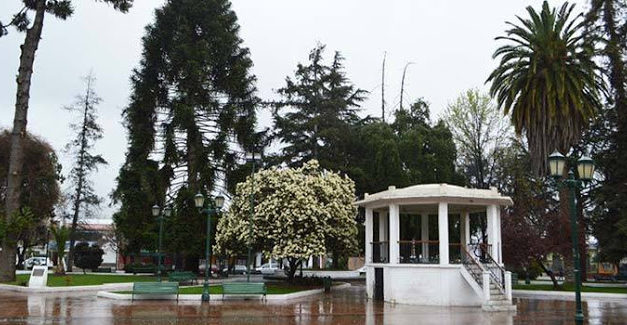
(477, 258)
(497, 272)
(480, 251)
(380, 252)
(419, 251)
(455, 253)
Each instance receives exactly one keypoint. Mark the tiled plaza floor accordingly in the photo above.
(346, 306)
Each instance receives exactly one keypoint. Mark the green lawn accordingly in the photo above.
(549, 287)
(84, 279)
(273, 289)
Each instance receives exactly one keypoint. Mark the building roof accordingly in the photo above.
(430, 193)
(96, 227)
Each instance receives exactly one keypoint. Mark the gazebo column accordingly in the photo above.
(493, 230)
(499, 254)
(464, 232)
(424, 236)
(369, 234)
(466, 223)
(383, 234)
(394, 233)
(443, 232)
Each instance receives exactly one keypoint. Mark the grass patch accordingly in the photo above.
(569, 287)
(84, 279)
(272, 288)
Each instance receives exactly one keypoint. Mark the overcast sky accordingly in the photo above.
(450, 43)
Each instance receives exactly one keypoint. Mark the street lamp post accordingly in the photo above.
(156, 212)
(585, 169)
(251, 157)
(199, 202)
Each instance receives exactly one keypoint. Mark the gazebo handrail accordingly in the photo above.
(418, 241)
(472, 259)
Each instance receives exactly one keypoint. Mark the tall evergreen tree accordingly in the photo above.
(319, 106)
(82, 198)
(61, 9)
(607, 20)
(192, 106)
(411, 150)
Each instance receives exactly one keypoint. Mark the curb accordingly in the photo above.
(567, 295)
(219, 297)
(107, 286)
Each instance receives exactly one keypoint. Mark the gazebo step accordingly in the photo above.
(496, 308)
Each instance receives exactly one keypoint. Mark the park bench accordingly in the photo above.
(182, 277)
(142, 269)
(244, 288)
(155, 288)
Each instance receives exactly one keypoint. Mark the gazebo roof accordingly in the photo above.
(433, 193)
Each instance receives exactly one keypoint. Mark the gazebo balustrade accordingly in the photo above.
(418, 251)
(427, 252)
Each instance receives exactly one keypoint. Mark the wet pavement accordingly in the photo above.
(345, 306)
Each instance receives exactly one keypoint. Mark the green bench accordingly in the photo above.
(182, 277)
(142, 269)
(244, 288)
(155, 288)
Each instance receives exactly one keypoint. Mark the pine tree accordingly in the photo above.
(318, 108)
(61, 9)
(192, 108)
(83, 199)
(607, 20)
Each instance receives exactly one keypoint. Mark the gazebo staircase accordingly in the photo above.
(488, 280)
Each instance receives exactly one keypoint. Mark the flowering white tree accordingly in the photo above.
(299, 212)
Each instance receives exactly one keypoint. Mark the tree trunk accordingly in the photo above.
(565, 239)
(14, 183)
(20, 257)
(547, 271)
(293, 267)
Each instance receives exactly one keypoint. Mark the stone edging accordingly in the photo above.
(562, 295)
(218, 297)
(107, 286)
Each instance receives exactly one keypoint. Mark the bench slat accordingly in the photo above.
(243, 288)
(155, 288)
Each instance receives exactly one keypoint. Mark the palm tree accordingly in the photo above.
(548, 80)
(61, 234)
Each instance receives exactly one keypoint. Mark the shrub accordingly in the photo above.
(88, 257)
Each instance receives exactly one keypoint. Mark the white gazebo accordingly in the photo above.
(419, 248)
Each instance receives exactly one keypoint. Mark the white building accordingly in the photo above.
(419, 248)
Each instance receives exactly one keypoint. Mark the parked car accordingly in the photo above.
(268, 268)
(201, 268)
(35, 261)
(237, 269)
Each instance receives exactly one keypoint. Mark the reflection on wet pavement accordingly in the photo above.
(346, 306)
